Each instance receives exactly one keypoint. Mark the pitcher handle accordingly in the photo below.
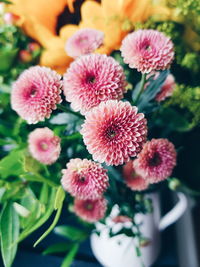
(174, 214)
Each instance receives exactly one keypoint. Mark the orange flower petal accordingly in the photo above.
(57, 59)
(46, 12)
(67, 31)
(92, 16)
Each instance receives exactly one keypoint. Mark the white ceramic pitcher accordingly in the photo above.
(119, 251)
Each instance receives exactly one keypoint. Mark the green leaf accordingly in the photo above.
(44, 194)
(6, 1)
(60, 196)
(71, 233)
(58, 248)
(33, 177)
(146, 101)
(51, 227)
(9, 228)
(70, 256)
(36, 224)
(12, 164)
(58, 203)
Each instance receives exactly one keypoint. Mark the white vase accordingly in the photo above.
(120, 250)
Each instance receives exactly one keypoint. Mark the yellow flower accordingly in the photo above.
(116, 18)
(39, 20)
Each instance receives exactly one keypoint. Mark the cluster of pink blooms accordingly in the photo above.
(84, 41)
(153, 164)
(156, 160)
(147, 50)
(90, 210)
(113, 130)
(36, 93)
(44, 146)
(133, 180)
(92, 79)
(86, 180)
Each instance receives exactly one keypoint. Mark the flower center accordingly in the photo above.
(33, 91)
(83, 40)
(89, 206)
(111, 133)
(91, 79)
(147, 48)
(155, 160)
(82, 179)
(44, 146)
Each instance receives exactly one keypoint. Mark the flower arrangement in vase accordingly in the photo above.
(94, 139)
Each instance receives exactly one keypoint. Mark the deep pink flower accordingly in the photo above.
(132, 179)
(156, 160)
(44, 146)
(147, 50)
(36, 93)
(114, 131)
(84, 41)
(90, 210)
(92, 79)
(167, 88)
(85, 179)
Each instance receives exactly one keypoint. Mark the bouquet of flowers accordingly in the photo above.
(99, 125)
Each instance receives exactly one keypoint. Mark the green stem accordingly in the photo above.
(142, 84)
(68, 110)
(75, 136)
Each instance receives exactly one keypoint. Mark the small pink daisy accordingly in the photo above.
(44, 146)
(167, 88)
(92, 79)
(114, 131)
(147, 50)
(35, 93)
(84, 41)
(85, 179)
(133, 180)
(90, 210)
(156, 160)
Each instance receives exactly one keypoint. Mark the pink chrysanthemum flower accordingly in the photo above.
(147, 50)
(85, 179)
(132, 179)
(114, 131)
(44, 146)
(92, 79)
(90, 210)
(84, 41)
(167, 88)
(156, 160)
(36, 93)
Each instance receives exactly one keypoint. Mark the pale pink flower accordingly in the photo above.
(132, 179)
(156, 160)
(147, 50)
(167, 89)
(121, 219)
(85, 179)
(90, 210)
(92, 79)
(114, 131)
(44, 146)
(84, 41)
(35, 93)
